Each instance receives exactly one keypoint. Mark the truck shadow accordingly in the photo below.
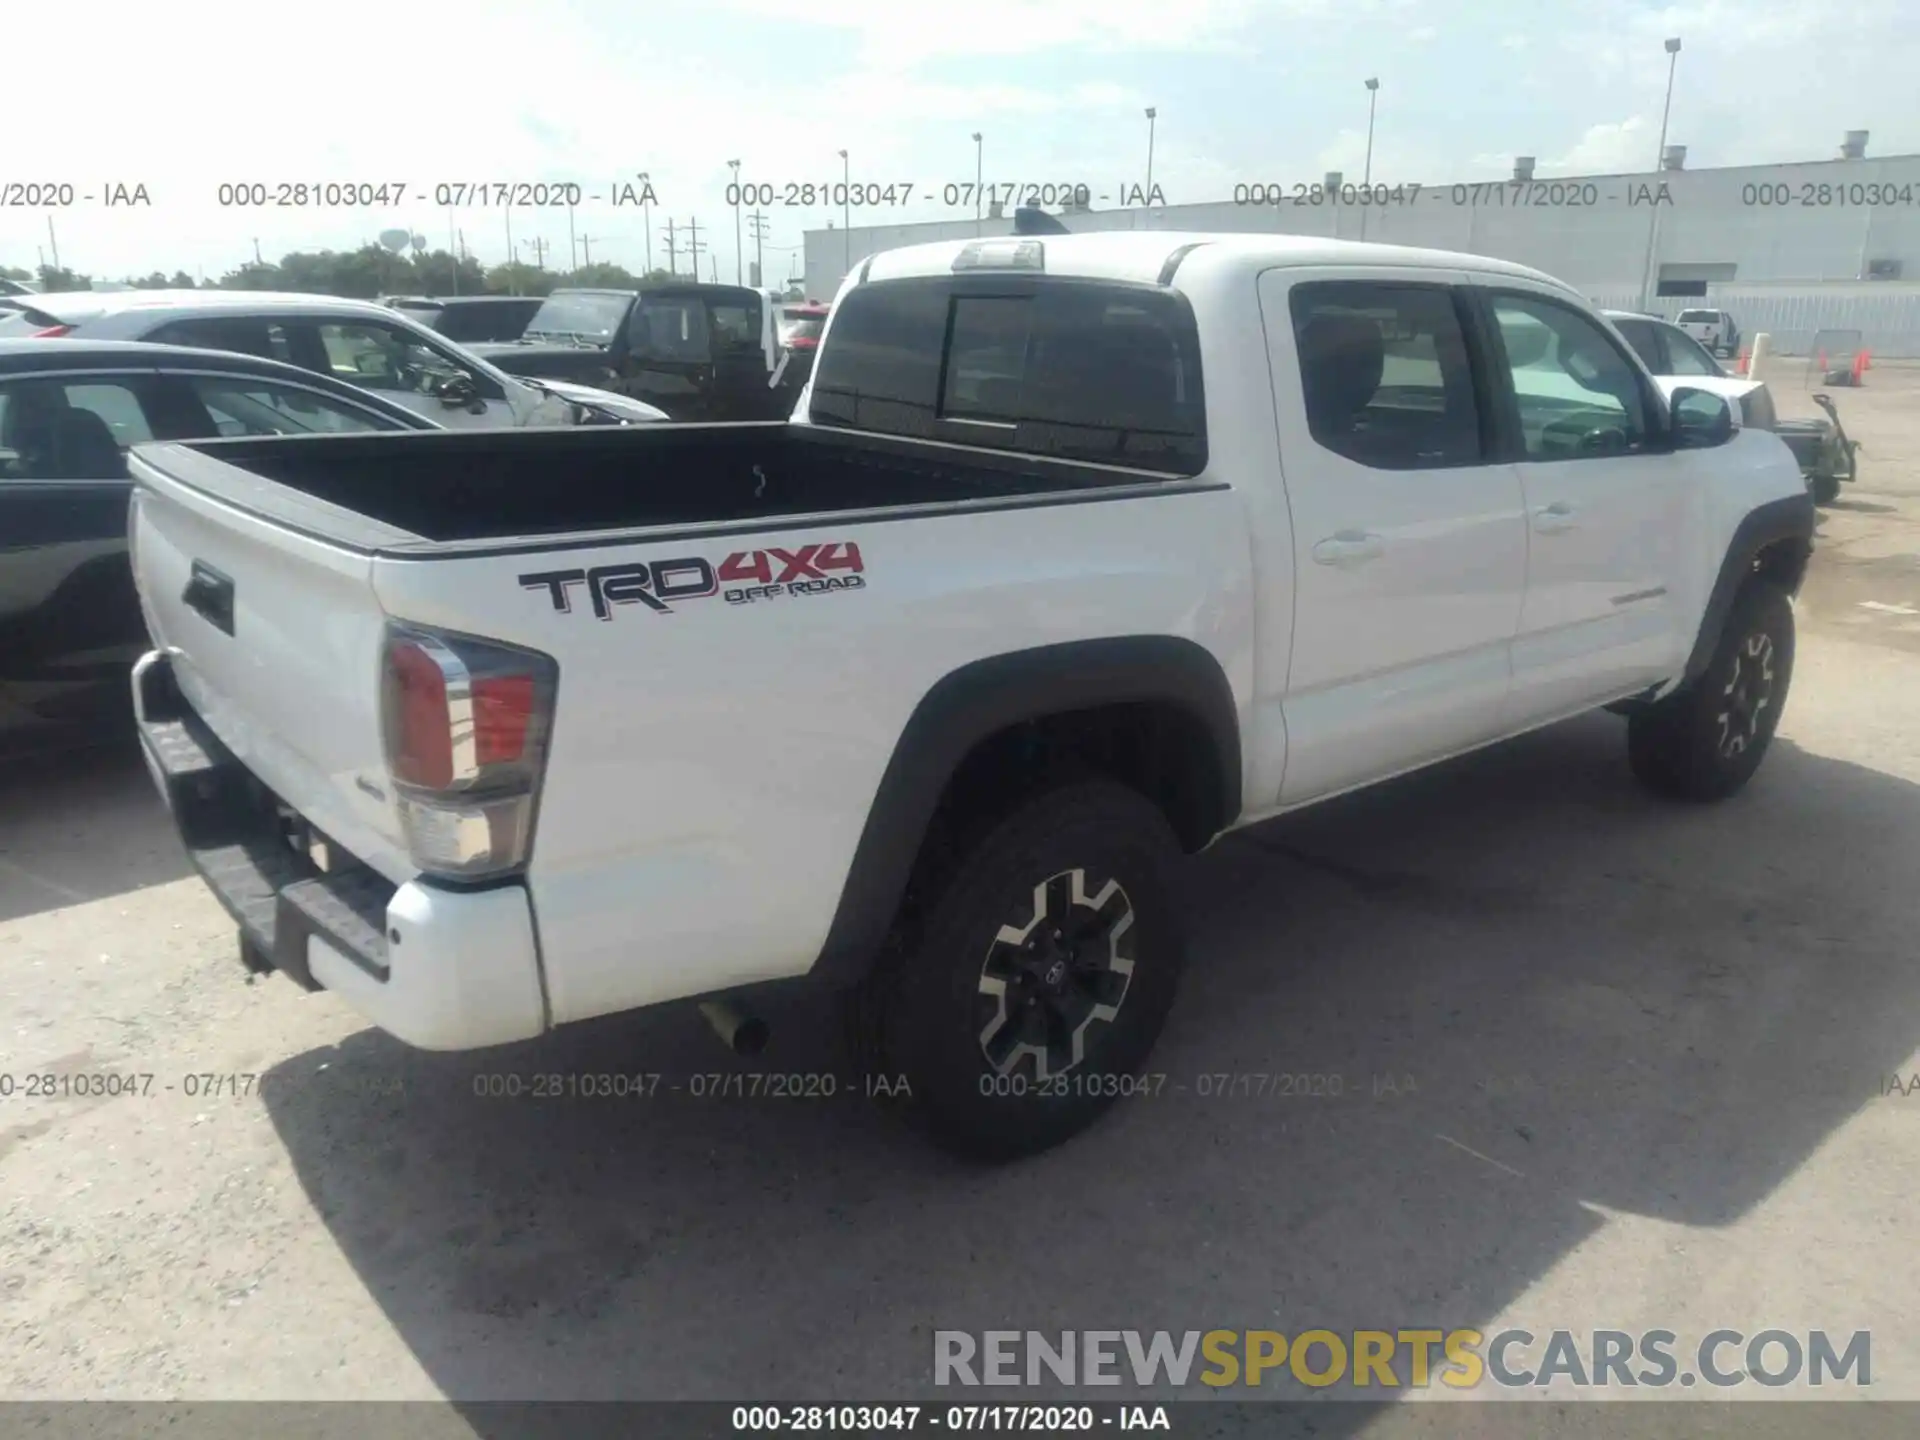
(81, 822)
(1425, 1028)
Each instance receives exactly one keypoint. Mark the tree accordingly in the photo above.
(15, 272)
(56, 278)
(602, 276)
(520, 279)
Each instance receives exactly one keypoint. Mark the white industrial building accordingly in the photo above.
(1791, 249)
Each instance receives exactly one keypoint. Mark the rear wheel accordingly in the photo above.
(1705, 741)
(1040, 979)
(1825, 488)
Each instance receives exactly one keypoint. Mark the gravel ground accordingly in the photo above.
(1649, 1051)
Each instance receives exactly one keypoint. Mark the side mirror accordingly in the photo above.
(456, 391)
(1701, 419)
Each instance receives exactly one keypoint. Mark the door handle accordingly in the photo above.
(209, 594)
(1551, 519)
(1349, 547)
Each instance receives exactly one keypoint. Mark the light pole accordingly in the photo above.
(1152, 114)
(646, 215)
(1659, 159)
(846, 215)
(979, 173)
(1366, 178)
(737, 277)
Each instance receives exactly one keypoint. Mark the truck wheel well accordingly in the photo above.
(1159, 748)
(1154, 712)
(1783, 563)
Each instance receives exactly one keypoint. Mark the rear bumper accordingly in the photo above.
(439, 968)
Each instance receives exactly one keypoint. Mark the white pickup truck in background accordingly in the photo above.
(1084, 550)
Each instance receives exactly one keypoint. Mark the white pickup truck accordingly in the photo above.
(1084, 551)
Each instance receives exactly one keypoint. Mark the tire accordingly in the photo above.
(944, 1012)
(1705, 741)
(1825, 488)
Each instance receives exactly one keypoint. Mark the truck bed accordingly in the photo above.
(491, 485)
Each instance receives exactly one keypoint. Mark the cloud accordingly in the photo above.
(1622, 146)
(891, 33)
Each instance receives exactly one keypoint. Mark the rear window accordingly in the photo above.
(1639, 334)
(1699, 317)
(17, 321)
(1075, 370)
(801, 325)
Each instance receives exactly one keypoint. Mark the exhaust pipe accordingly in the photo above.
(740, 1032)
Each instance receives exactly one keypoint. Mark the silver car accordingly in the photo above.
(362, 343)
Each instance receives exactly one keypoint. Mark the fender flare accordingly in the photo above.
(1791, 519)
(986, 696)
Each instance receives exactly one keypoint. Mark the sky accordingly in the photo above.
(185, 97)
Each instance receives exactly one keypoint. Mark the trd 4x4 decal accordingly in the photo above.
(770, 573)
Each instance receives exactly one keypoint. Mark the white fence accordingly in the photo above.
(1889, 323)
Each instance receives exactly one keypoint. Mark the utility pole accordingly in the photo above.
(739, 257)
(673, 250)
(586, 249)
(513, 256)
(646, 216)
(573, 245)
(694, 247)
(759, 219)
(539, 253)
(256, 251)
(979, 175)
(1366, 180)
(1153, 114)
(1647, 285)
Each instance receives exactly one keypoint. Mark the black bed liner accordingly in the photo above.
(480, 485)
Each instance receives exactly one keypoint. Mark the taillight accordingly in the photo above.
(52, 332)
(804, 342)
(466, 726)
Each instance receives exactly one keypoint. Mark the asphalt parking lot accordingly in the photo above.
(1602, 1062)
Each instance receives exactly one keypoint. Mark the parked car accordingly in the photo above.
(472, 319)
(699, 352)
(801, 327)
(921, 698)
(1824, 453)
(1712, 328)
(69, 623)
(367, 344)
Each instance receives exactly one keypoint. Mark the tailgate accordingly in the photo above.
(275, 639)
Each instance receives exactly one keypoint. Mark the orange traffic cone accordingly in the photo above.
(1859, 366)
(1823, 362)
(1740, 365)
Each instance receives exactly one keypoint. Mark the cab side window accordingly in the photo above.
(1577, 395)
(1384, 374)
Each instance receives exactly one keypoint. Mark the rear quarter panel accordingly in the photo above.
(712, 768)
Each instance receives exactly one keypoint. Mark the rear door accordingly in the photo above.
(1610, 506)
(1408, 533)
